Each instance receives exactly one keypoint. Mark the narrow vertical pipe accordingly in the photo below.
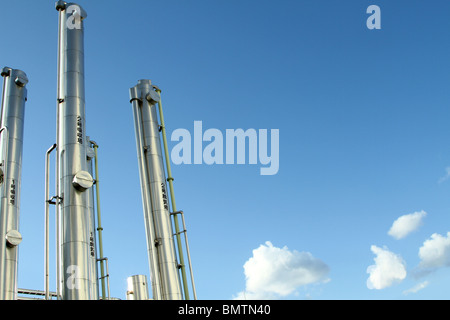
(172, 197)
(47, 224)
(11, 144)
(60, 54)
(90, 205)
(189, 258)
(99, 220)
(3, 216)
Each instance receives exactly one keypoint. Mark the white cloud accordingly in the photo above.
(272, 272)
(388, 269)
(417, 288)
(435, 252)
(406, 224)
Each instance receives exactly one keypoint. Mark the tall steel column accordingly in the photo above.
(75, 248)
(11, 145)
(165, 278)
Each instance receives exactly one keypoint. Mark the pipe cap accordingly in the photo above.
(13, 238)
(82, 180)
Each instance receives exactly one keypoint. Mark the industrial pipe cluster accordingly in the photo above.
(79, 248)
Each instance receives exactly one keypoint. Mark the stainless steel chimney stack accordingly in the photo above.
(76, 258)
(11, 145)
(165, 279)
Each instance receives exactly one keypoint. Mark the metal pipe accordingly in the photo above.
(172, 197)
(188, 255)
(137, 288)
(75, 278)
(153, 186)
(106, 276)
(35, 292)
(14, 96)
(3, 217)
(57, 161)
(47, 223)
(99, 219)
(90, 205)
(4, 154)
(149, 221)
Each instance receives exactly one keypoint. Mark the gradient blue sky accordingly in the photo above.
(364, 136)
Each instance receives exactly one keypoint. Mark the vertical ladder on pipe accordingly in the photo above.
(186, 244)
(176, 212)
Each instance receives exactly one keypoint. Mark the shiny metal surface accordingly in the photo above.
(47, 224)
(87, 182)
(75, 270)
(13, 238)
(82, 180)
(165, 278)
(149, 225)
(137, 288)
(14, 96)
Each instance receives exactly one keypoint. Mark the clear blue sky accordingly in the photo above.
(364, 137)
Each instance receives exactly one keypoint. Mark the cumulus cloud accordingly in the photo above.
(406, 224)
(435, 252)
(388, 269)
(273, 273)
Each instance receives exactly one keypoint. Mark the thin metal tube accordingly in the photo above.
(99, 219)
(105, 276)
(31, 292)
(4, 155)
(47, 223)
(3, 217)
(189, 256)
(59, 98)
(172, 197)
